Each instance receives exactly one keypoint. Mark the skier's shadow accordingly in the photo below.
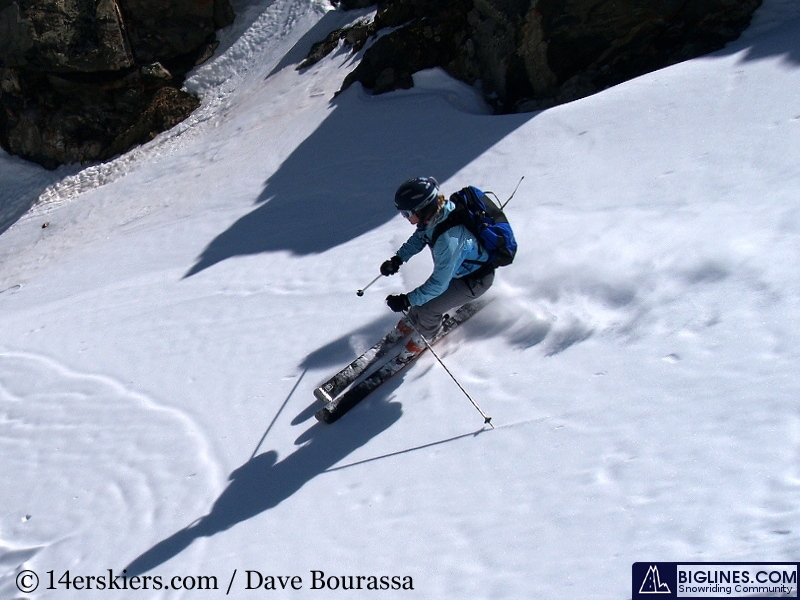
(264, 482)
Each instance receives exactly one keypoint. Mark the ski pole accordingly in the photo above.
(502, 206)
(362, 290)
(486, 419)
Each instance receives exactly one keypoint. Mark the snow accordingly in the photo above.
(162, 335)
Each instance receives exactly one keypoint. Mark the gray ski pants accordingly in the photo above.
(427, 318)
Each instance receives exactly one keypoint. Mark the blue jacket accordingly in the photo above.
(450, 253)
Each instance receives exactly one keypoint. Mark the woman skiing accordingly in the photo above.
(460, 270)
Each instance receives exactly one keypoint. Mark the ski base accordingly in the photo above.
(339, 382)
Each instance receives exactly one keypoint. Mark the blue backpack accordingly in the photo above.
(486, 221)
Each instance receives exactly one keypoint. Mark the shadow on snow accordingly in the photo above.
(782, 40)
(263, 482)
(21, 184)
(340, 181)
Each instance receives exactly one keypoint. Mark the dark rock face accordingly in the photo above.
(84, 80)
(531, 54)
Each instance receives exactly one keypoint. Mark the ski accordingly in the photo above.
(336, 408)
(339, 382)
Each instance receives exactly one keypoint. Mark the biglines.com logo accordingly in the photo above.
(663, 581)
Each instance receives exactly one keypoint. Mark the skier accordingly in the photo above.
(469, 236)
(460, 272)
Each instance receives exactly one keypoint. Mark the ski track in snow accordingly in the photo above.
(12, 561)
(75, 444)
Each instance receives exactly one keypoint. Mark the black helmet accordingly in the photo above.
(418, 196)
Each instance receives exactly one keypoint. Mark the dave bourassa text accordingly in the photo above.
(317, 580)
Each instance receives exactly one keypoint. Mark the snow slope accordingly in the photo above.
(161, 336)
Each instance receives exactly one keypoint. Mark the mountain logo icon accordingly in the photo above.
(652, 583)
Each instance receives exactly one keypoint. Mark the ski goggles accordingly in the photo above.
(422, 211)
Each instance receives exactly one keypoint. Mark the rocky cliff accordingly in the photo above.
(83, 80)
(531, 54)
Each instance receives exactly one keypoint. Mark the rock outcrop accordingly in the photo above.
(83, 80)
(531, 54)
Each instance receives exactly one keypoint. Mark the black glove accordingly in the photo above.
(391, 266)
(398, 302)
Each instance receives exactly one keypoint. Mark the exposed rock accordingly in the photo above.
(422, 43)
(354, 37)
(63, 36)
(160, 30)
(531, 54)
(353, 4)
(155, 72)
(83, 80)
(168, 107)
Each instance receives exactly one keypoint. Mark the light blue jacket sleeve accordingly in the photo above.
(413, 245)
